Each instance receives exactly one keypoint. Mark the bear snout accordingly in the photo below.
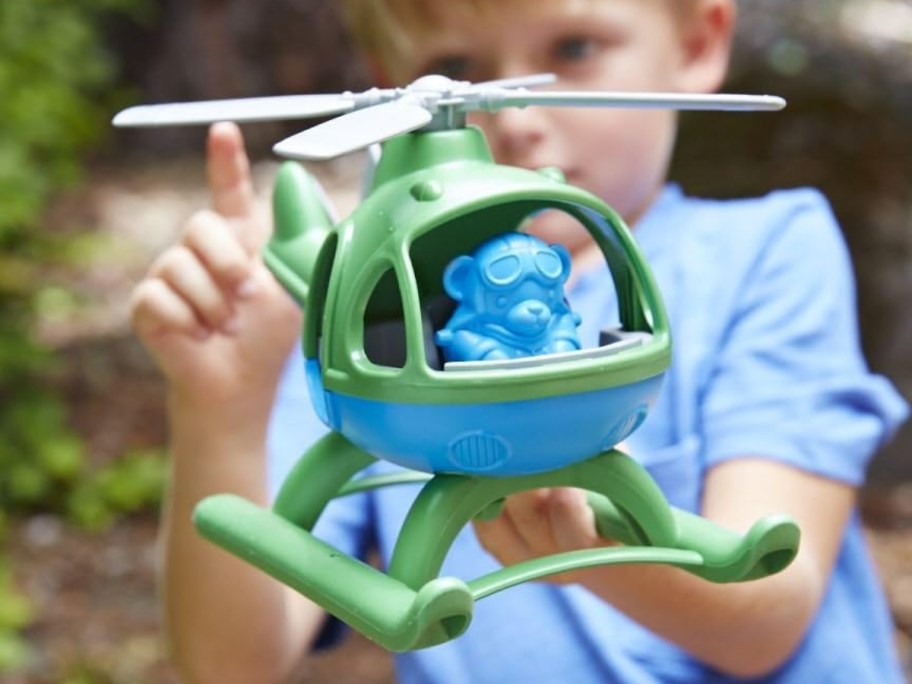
(529, 317)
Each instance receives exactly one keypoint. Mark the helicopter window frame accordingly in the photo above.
(638, 311)
(318, 296)
(383, 343)
(368, 356)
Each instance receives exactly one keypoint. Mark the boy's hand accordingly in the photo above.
(213, 318)
(538, 523)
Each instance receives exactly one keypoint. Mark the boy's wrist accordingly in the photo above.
(216, 448)
(190, 413)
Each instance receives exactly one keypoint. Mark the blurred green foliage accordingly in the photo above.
(16, 612)
(55, 81)
(56, 96)
(57, 92)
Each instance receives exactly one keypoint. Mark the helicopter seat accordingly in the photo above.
(384, 343)
(612, 342)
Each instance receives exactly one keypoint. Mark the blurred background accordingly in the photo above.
(84, 209)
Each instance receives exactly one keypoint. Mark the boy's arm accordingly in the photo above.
(744, 629)
(221, 328)
(226, 620)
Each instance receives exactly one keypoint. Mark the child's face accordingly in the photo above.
(620, 155)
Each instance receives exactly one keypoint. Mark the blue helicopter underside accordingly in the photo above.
(490, 439)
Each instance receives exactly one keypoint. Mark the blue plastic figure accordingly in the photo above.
(511, 301)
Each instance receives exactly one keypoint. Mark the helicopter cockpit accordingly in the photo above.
(385, 339)
(373, 283)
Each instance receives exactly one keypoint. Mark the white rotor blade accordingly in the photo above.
(355, 130)
(240, 110)
(679, 101)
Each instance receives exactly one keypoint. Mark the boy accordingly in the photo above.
(768, 406)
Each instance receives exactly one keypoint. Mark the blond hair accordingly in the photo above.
(385, 29)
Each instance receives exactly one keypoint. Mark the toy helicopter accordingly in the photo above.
(378, 287)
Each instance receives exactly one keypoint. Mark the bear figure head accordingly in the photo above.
(512, 285)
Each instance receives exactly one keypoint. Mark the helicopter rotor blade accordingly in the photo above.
(279, 108)
(355, 130)
(679, 101)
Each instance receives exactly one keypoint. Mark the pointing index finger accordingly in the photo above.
(228, 171)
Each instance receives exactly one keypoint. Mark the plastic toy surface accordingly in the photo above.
(465, 400)
(511, 301)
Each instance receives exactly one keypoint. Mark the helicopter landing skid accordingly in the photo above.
(410, 607)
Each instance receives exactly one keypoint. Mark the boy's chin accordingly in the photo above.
(556, 226)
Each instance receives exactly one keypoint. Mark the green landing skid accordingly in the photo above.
(410, 607)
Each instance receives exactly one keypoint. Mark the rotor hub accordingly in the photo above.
(435, 83)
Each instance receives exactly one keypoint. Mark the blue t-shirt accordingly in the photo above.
(766, 362)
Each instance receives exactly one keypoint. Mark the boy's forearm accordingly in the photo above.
(748, 628)
(744, 629)
(227, 621)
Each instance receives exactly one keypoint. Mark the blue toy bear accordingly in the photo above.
(511, 302)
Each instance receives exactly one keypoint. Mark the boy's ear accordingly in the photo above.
(706, 45)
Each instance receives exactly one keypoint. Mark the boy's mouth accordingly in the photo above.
(572, 176)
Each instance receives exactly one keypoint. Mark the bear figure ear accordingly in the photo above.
(566, 262)
(457, 276)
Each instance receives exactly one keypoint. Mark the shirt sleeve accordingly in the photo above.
(790, 381)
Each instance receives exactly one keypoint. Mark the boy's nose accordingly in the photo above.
(515, 134)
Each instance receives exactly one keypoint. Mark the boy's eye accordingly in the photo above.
(451, 66)
(574, 48)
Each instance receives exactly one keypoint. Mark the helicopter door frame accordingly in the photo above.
(358, 329)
